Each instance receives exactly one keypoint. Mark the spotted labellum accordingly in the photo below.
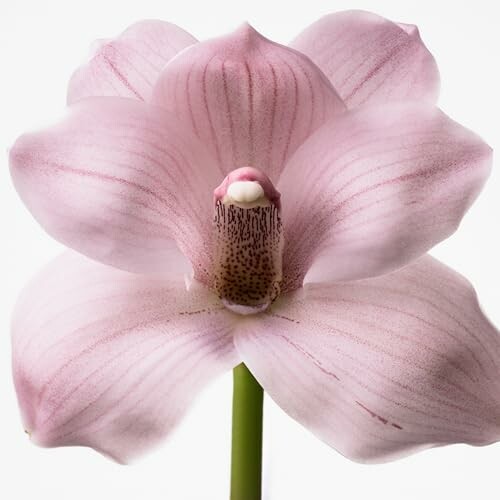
(248, 241)
(240, 201)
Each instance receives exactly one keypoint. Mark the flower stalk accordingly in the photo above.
(246, 455)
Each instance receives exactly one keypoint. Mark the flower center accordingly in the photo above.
(248, 241)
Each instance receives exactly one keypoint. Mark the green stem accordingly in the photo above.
(246, 456)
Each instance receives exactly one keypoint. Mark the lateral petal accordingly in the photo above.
(112, 360)
(384, 367)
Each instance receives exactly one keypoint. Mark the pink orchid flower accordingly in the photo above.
(251, 202)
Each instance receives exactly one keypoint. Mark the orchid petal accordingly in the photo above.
(370, 59)
(376, 188)
(129, 65)
(111, 360)
(383, 367)
(251, 100)
(115, 180)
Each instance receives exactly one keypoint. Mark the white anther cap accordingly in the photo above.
(245, 191)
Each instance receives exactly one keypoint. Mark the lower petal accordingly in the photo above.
(111, 360)
(383, 367)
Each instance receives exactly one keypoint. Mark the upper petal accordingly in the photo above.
(376, 188)
(129, 64)
(252, 101)
(112, 360)
(382, 367)
(115, 180)
(370, 59)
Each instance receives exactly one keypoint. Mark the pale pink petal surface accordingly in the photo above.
(129, 65)
(251, 100)
(382, 367)
(111, 360)
(370, 59)
(377, 368)
(115, 180)
(376, 188)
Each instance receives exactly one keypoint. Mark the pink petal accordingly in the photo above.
(129, 65)
(383, 367)
(111, 360)
(370, 59)
(115, 180)
(376, 188)
(251, 100)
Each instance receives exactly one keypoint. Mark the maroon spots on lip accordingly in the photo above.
(248, 248)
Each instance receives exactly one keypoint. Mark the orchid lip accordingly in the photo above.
(245, 310)
(249, 241)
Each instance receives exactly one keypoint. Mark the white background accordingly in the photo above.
(41, 43)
